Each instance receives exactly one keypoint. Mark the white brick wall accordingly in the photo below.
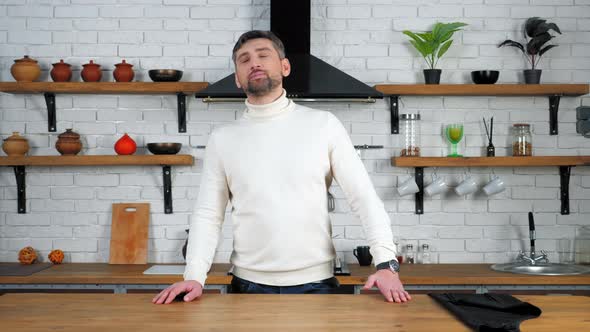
(70, 207)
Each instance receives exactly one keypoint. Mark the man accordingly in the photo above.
(275, 165)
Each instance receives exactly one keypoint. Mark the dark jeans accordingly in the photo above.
(242, 286)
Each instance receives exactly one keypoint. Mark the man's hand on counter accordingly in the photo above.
(192, 288)
(389, 285)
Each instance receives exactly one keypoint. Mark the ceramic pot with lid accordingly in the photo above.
(68, 143)
(15, 145)
(25, 69)
(123, 72)
(91, 72)
(61, 72)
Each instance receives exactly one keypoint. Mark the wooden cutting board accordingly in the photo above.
(129, 233)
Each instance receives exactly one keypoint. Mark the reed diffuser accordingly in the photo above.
(491, 150)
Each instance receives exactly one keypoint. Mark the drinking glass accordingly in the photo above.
(454, 134)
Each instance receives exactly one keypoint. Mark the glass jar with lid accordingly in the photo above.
(522, 140)
(425, 255)
(410, 131)
(410, 254)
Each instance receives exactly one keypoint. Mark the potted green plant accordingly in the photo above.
(432, 45)
(536, 34)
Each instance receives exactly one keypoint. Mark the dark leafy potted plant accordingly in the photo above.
(432, 45)
(536, 34)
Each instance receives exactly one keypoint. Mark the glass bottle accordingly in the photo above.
(410, 130)
(522, 140)
(410, 254)
(425, 256)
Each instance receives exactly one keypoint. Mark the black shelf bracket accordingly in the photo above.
(564, 180)
(394, 109)
(166, 171)
(19, 172)
(553, 108)
(181, 112)
(50, 101)
(419, 196)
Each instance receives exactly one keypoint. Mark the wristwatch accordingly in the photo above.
(391, 265)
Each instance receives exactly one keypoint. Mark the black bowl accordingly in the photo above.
(485, 76)
(164, 148)
(165, 75)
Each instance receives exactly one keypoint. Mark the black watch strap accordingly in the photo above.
(391, 265)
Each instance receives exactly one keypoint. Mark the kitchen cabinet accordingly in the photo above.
(565, 163)
(50, 89)
(166, 161)
(263, 312)
(552, 91)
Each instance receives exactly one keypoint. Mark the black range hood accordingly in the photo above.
(311, 79)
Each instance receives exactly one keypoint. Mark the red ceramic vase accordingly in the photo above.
(61, 72)
(91, 72)
(125, 145)
(123, 72)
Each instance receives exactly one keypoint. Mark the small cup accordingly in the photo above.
(582, 251)
(363, 255)
(497, 185)
(408, 187)
(466, 187)
(437, 186)
(565, 251)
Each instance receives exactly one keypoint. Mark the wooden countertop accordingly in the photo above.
(419, 274)
(239, 312)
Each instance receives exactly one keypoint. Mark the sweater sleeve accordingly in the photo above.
(208, 215)
(351, 175)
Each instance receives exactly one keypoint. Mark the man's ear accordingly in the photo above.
(237, 82)
(285, 67)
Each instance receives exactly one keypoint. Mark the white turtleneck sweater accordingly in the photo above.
(275, 165)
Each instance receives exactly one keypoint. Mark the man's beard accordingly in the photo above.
(261, 88)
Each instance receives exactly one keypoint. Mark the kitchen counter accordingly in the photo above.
(419, 277)
(239, 312)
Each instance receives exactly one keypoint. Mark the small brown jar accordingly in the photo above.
(25, 70)
(91, 72)
(15, 145)
(68, 143)
(123, 72)
(61, 72)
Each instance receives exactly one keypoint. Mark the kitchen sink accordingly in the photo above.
(545, 269)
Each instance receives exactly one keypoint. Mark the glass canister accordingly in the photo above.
(522, 140)
(410, 131)
(425, 256)
(410, 254)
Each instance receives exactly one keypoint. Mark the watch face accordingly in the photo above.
(394, 265)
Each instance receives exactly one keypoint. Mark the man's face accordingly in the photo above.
(259, 68)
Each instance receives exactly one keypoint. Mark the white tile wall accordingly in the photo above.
(69, 207)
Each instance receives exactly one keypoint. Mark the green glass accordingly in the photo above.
(454, 134)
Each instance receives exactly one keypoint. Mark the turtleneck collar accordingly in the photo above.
(270, 110)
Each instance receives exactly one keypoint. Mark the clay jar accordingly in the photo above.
(91, 72)
(61, 72)
(15, 145)
(125, 145)
(68, 143)
(123, 72)
(25, 70)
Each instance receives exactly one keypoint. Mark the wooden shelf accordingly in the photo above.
(49, 89)
(490, 161)
(98, 160)
(166, 161)
(553, 91)
(483, 89)
(103, 87)
(565, 163)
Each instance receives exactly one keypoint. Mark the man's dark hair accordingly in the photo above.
(254, 34)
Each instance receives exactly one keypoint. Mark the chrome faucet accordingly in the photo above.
(533, 259)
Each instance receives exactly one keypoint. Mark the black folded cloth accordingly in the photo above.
(488, 312)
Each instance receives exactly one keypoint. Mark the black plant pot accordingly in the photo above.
(532, 76)
(432, 76)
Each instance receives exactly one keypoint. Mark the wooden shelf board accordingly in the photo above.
(483, 89)
(490, 161)
(97, 160)
(103, 87)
